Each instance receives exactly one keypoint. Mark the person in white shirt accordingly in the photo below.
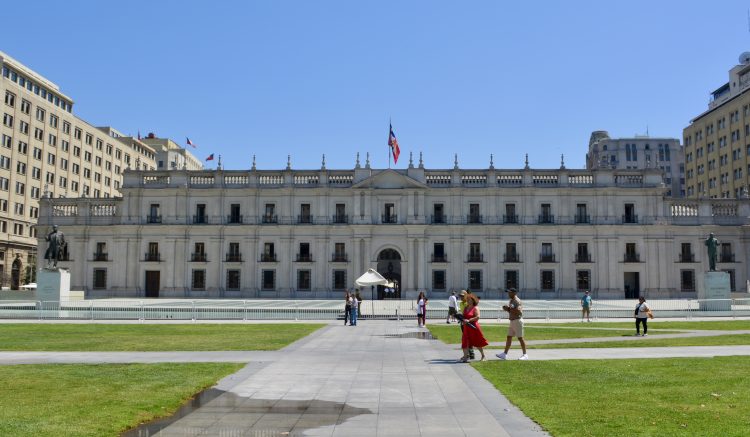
(452, 304)
(421, 309)
(642, 311)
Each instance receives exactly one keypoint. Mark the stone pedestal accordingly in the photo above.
(53, 285)
(715, 286)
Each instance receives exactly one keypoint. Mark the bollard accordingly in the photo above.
(193, 310)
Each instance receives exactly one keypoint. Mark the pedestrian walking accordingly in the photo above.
(586, 306)
(463, 294)
(642, 314)
(347, 306)
(354, 309)
(472, 336)
(515, 327)
(452, 304)
(421, 309)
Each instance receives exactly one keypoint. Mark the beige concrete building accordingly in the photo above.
(640, 152)
(47, 149)
(170, 156)
(717, 142)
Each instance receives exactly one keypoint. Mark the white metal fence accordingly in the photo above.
(190, 310)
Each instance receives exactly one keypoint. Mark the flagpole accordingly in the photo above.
(390, 129)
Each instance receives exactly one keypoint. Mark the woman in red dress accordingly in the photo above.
(472, 335)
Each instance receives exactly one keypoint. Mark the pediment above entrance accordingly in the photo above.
(389, 179)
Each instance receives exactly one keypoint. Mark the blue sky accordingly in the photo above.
(306, 78)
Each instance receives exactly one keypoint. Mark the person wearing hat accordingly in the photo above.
(462, 295)
(586, 306)
(515, 328)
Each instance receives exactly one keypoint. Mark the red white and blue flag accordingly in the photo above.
(190, 143)
(393, 143)
(210, 157)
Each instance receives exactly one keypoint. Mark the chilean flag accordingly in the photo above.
(394, 144)
(190, 143)
(210, 157)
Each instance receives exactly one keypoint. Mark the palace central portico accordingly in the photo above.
(311, 233)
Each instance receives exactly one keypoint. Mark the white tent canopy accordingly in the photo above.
(372, 277)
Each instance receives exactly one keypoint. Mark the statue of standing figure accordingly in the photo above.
(712, 244)
(55, 247)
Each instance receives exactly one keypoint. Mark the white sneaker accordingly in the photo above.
(501, 355)
(524, 357)
(645, 335)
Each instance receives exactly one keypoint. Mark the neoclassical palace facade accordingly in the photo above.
(311, 233)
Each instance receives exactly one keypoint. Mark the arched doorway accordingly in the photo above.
(15, 273)
(389, 265)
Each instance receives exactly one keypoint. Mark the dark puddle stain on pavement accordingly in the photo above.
(279, 417)
(426, 335)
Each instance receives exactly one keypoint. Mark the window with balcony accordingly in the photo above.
(153, 252)
(687, 280)
(200, 217)
(438, 253)
(686, 253)
(340, 216)
(339, 252)
(199, 280)
(304, 253)
(389, 213)
(234, 254)
(233, 279)
(438, 280)
(268, 280)
(630, 216)
(547, 256)
(269, 216)
(304, 280)
(438, 213)
(546, 214)
(582, 215)
(510, 214)
(475, 253)
(199, 252)
(631, 256)
(511, 254)
(583, 280)
(101, 252)
(100, 279)
(305, 215)
(583, 255)
(726, 255)
(475, 280)
(154, 214)
(474, 214)
(339, 279)
(269, 254)
(234, 214)
(511, 279)
(547, 280)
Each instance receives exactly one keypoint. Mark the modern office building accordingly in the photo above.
(717, 142)
(46, 148)
(310, 233)
(640, 152)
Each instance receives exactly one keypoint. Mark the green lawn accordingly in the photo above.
(720, 340)
(187, 337)
(654, 397)
(721, 325)
(451, 334)
(97, 400)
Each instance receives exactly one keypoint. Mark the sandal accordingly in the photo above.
(463, 360)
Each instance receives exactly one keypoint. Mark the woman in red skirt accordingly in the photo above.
(472, 335)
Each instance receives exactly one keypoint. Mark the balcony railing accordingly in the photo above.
(234, 219)
(629, 218)
(304, 219)
(268, 257)
(198, 257)
(153, 219)
(583, 257)
(582, 218)
(726, 258)
(269, 219)
(234, 258)
(546, 257)
(339, 258)
(439, 258)
(100, 256)
(511, 257)
(510, 219)
(438, 219)
(389, 218)
(632, 258)
(473, 218)
(687, 257)
(340, 219)
(152, 256)
(546, 219)
(304, 258)
(475, 258)
(200, 220)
